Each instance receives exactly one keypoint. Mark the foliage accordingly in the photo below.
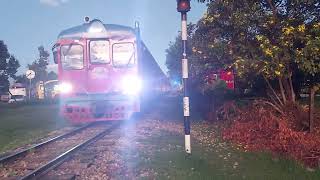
(8, 67)
(308, 56)
(52, 75)
(274, 39)
(261, 37)
(257, 128)
(40, 65)
(200, 70)
(174, 54)
(268, 43)
(22, 79)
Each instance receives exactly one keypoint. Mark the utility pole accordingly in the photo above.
(30, 89)
(183, 6)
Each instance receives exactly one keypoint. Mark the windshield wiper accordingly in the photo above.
(131, 57)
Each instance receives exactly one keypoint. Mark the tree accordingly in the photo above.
(275, 39)
(308, 59)
(174, 54)
(8, 67)
(201, 65)
(39, 66)
(52, 75)
(22, 79)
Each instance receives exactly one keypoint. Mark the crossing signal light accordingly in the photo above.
(183, 6)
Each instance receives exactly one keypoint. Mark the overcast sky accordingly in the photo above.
(27, 24)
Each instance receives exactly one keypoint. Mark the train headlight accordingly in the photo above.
(131, 85)
(64, 88)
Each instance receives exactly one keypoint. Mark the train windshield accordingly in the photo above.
(99, 52)
(123, 54)
(72, 57)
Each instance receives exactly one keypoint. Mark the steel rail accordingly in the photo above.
(41, 171)
(25, 151)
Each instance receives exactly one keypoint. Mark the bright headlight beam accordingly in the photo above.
(65, 87)
(131, 85)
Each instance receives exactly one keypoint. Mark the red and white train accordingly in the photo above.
(103, 71)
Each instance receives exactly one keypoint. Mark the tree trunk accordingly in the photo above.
(293, 94)
(282, 91)
(273, 91)
(311, 109)
(287, 89)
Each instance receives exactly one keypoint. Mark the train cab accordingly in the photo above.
(98, 72)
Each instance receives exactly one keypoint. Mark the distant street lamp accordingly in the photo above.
(183, 6)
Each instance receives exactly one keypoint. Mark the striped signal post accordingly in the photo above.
(183, 6)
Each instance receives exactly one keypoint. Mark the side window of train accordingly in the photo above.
(99, 52)
(123, 54)
(72, 57)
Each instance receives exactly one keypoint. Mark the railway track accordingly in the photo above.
(34, 162)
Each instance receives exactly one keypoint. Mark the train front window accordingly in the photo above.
(99, 52)
(123, 54)
(72, 57)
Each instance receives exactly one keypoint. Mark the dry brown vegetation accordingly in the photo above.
(260, 128)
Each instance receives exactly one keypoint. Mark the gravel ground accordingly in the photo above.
(117, 155)
(39, 157)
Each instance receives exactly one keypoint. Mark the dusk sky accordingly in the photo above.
(27, 24)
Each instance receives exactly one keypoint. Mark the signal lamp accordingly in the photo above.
(183, 6)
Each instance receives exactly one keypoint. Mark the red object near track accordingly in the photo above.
(225, 75)
(228, 77)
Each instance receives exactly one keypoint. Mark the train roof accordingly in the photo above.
(96, 29)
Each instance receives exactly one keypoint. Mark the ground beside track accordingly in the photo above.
(23, 124)
(153, 148)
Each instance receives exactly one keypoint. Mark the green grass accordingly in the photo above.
(22, 124)
(170, 161)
